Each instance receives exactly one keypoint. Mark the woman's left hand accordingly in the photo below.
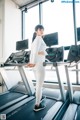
(30, 65)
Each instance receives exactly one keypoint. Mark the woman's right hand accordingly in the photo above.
(30, 65)
(41, 53)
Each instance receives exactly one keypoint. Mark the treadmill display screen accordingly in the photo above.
(78, 34)
(22, 45)
(51, 39)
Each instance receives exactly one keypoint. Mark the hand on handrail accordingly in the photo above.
(41, 53)
(30, 65)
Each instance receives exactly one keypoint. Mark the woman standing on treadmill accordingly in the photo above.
(37, 57)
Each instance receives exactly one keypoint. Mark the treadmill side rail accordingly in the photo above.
(70, 113)
(52, 111)
(12, 102)
(19, 104)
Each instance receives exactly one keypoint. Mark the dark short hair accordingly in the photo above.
(39, 27)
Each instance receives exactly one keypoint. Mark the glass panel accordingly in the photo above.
(77, 5)
(72, 75)
(77, 14)
(31, 20)
(58, 17)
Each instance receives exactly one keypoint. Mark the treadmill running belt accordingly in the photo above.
(26, 112)
(5, 98)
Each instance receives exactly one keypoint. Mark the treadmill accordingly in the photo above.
(24, 109)
(73, 110)
(19, 91)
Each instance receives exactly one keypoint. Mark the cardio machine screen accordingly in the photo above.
(78, 34)
(22, 45)
(51, 39)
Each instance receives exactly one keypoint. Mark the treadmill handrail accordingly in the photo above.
(68, 64)
(56, 63)
(12, 64)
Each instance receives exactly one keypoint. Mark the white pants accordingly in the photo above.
(39, 73)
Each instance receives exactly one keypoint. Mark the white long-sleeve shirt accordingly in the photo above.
(38, 45)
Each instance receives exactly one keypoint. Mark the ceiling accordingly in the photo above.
(21, 3)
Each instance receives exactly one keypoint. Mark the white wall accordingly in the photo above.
(10, 30)
(12, 27)
(1, 28)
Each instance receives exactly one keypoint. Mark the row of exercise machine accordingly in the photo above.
(18, 102)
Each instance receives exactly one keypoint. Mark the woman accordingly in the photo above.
(37, 57)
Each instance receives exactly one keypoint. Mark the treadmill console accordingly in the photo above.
(55, 54)
(74, 53)
(18, 57)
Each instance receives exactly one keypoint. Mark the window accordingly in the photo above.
(58, 17)
(31, 20)
(77, 14)
(77, 8)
